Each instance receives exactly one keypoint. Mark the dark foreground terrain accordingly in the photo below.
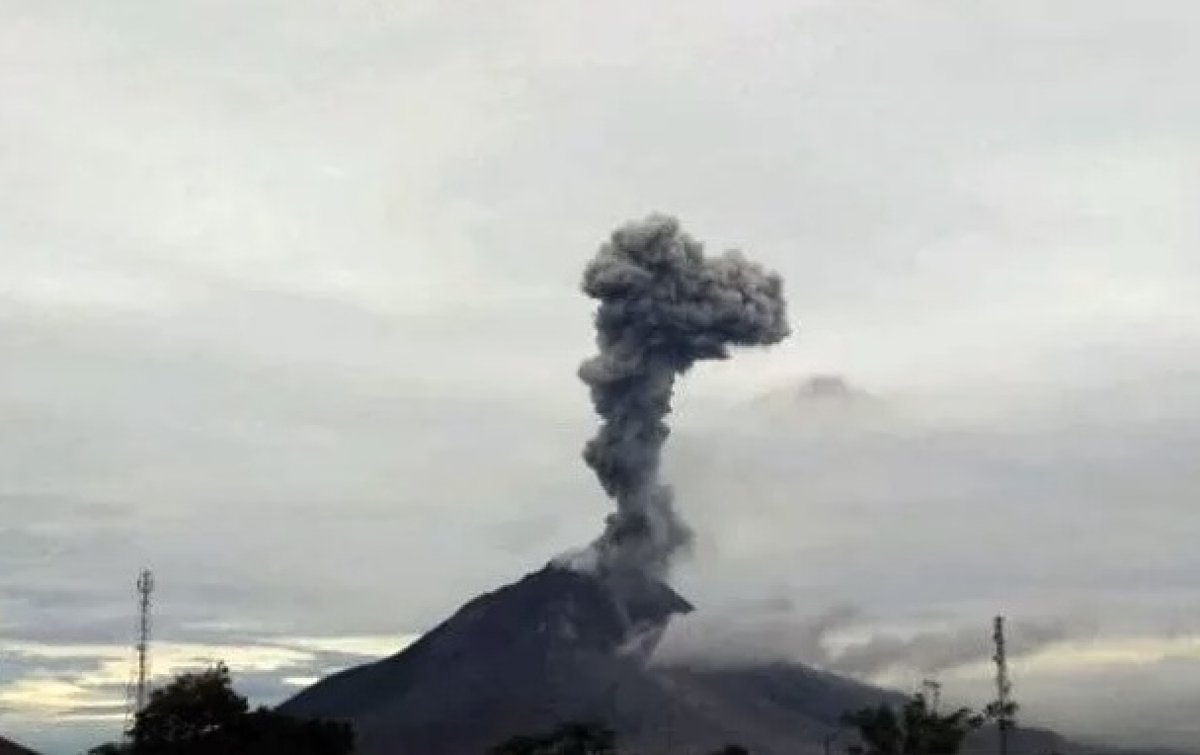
(8, 747)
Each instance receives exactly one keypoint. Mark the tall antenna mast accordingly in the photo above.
(139, 686)
(1003, 709)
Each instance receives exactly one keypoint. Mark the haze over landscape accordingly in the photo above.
(290, 312)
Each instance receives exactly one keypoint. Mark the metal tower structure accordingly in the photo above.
(1003, 709)
(139, 684)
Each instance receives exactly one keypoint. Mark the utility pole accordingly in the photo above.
(1003, 709)
(139, 686)
(932, 689)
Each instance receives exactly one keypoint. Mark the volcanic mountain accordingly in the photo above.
(557, 645)
(563, 645)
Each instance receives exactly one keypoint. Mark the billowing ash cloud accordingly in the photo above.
(663, 307)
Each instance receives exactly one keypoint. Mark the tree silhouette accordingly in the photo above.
(914, 729)
(580, 738)
(188, 711)
(199, 713)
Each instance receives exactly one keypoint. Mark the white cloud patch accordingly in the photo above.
(84, 687)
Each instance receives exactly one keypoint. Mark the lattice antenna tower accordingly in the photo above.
(139, 686)
(1003, 709)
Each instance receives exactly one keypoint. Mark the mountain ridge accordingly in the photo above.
(555, 647)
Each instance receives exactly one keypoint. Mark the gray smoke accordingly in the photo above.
(937, 651)
(744, 634)
(663, 307)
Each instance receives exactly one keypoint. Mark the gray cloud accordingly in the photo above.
(20, 665)
(933, 652)
(752, 631)
(847, 639)
(75, 727)
(967, 511)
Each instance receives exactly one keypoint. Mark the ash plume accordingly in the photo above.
(663, 307)
(937, 651)
(843, 640)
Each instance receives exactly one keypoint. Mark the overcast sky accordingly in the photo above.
(289, 311)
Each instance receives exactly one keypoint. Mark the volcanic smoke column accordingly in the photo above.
(663, 307)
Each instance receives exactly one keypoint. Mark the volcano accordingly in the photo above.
(558, 645)
(564, 645)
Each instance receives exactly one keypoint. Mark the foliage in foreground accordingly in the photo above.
(915, 728)
(199, 713)
(586, 738)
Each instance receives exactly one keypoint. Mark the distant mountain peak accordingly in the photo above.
(816, 389)
(828, 386)
(828, 395)
(546, 648)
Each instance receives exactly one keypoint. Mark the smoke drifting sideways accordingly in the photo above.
(663, 307)
(845, 640)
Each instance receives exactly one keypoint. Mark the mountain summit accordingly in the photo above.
(558, 645)
(567, 645)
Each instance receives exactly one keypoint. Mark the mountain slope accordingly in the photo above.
(561, 645)
(556, 645)
(8, 747)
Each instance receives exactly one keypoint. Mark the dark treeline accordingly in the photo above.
(200, 713)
